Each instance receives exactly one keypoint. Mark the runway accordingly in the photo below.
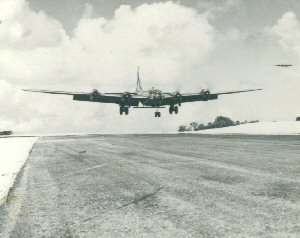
(157, 186)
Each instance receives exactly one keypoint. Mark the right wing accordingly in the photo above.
(95, 96)
(53, 92)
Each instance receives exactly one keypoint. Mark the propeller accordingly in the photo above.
(177, 97)
(94, 95)
(126, 98)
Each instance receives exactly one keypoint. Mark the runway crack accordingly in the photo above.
(133, 202)
(138, 199)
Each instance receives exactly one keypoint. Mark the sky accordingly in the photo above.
(178, 45)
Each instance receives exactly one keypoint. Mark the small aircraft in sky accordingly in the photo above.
(283, 65)
(153, 98)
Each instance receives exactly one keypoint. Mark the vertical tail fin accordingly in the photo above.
(138, 83)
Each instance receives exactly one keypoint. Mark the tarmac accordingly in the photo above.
(157, 186)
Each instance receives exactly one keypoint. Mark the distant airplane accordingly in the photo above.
(153, 98)
(283, 65)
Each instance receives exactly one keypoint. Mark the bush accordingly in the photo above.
(219, 122)
(194, 125)
(222, 122)
(201, 127)
(182, 128)
(209, 126)
(6, 133)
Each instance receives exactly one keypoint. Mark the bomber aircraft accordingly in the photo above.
(283, 65)
(153, 98)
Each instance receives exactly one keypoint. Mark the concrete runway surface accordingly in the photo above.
(157, 186)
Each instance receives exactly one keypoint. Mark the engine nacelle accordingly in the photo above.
(205, 94)
(177, 98)
(125, 99)
(94, 95)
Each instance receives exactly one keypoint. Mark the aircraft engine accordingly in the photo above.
(125, 99)
(205, 94)
(177, 98)
(157, 94)
(94, 95)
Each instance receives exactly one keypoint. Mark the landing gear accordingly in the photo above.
(124, 110)
(176, 109)
(173, 109)
(157, 114)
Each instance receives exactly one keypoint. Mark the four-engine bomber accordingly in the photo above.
(153, 98)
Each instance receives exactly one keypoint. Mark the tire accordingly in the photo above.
(126, 110)
(121, 110)
(171, 110)
(158, 114)
(176, 110)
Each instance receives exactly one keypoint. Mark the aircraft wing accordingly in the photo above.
(242, 91)
(52, 92)
(202, 96)
(131, 98)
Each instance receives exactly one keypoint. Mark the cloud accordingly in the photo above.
(214, 8)
(287, 29)
(11, 8)
(88, 12)
(287, 34)
(101, 53)
(176, 47)
(24, 28)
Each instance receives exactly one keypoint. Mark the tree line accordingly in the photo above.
(6, 133)
(219, 122)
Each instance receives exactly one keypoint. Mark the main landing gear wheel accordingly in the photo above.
(176, 110)
(124, 109)
(173, 109)
(157, 114)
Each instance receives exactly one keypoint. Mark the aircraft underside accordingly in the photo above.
(151, 104)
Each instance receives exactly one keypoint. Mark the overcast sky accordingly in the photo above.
(179, 45)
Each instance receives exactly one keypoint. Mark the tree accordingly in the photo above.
(237, 123)
(221, 121)
(209, 126)
(200, 127)
(182, 128)
(194, 125)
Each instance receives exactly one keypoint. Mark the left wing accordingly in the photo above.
(129, 98)
(242, 91)
(202, 96)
